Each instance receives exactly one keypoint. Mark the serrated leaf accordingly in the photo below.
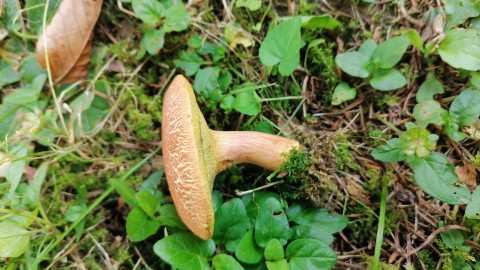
(429, 112)
(389, 53)
(185, 251)
(229, 228)
(247, 250)
(149, 11)
(310, 254)
(271, 223)
(430, 87)
(226, 262)
(387, 79)
(14, 239)
(437, 177)
(353, 63)
(461, 49)
(391, 152)
(140, 226)
(458, 11)
(343, 92)
(465, 108)
(473, 207)
(153, 41)
(282, 46)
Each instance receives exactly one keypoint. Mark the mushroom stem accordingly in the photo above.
(265, 150)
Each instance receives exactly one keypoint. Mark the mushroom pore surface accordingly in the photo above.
(193, 154)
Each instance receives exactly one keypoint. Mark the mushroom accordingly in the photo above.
(193, 154)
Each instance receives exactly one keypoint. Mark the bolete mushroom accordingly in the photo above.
(193, 154)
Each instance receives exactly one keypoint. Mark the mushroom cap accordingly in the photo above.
(189, 157)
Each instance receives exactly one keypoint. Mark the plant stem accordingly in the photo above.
(241, 193)
(380, 228)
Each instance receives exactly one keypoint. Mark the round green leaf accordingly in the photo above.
(185, 251)
(343, 92)
(429, 112)
(149, 11)
(310, 254)
(271, 223)
(176, 18)
(429, 88)
(387, 79)
(14, 239)
(140, 226)
(230, 223)
(250, 4)
(473, 207)
(331, 223)
(353, 63)
(465, 108)
(226, 262)
(247, 102)
(274, 250)
(314, 232)
(248, 251)
(153, 41)
(461, 49)
(389, 53)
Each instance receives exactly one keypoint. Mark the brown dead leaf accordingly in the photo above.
(357, 191)
(68, 40)
(467, 175)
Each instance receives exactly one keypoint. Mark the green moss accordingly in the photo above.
(476, 161)
(343, 154)
(323, 64)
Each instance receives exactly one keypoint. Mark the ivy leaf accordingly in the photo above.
(185, 251)
(466, 107)
(389, 53)
(310, 254)
(282, 46)
(430, 87)
(387, 79)
(230, 229)
(247, 250)
(429, 112)
(343, 92)
(458, 11)
(176, 18)
(140, 226)
(437, 177)
(391, 152)
(14, 239)
(473, 207)
(149, 11)
(226, 262)
(461, 49)
(271, 223)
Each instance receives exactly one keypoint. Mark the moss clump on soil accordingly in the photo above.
(310, 171)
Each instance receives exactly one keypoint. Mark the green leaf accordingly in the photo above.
(185, 251)
(458, 11)
(153, 41)
(8, 75)
(125, 191)
(353, 63)
(465, 108)
(391, 152)
(415, 39)
(169, 216)
(429, 88)
(35, 15)
(461, 49)
(250, 4)
(325, 21)
(254, 201)
(282, 46)
(189, 61)
(230, 223)
(14, 239)
(451, 127)
(226, 262)
(389, 53)
(274, 250)
(473, 207)
(367, 48)
(148, 202)
(310, 254)
(343, 92)
(387, 79)
(27, 94)
(271, 223)
(140, 226)
(452, 238)
(429, 112)
(149, 11)
(247, 250)
(32, 194)
(14, 172)
(437, 177)
(320, 218)
(248, 102)
(206, 83)
(151, 183)
(311, 231)
(176, 18)
(277, 265)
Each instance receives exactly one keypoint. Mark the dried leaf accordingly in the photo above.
(467, 175)
(68, 40)
(357, 191)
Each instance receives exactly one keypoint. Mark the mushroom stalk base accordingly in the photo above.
(262, 149)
